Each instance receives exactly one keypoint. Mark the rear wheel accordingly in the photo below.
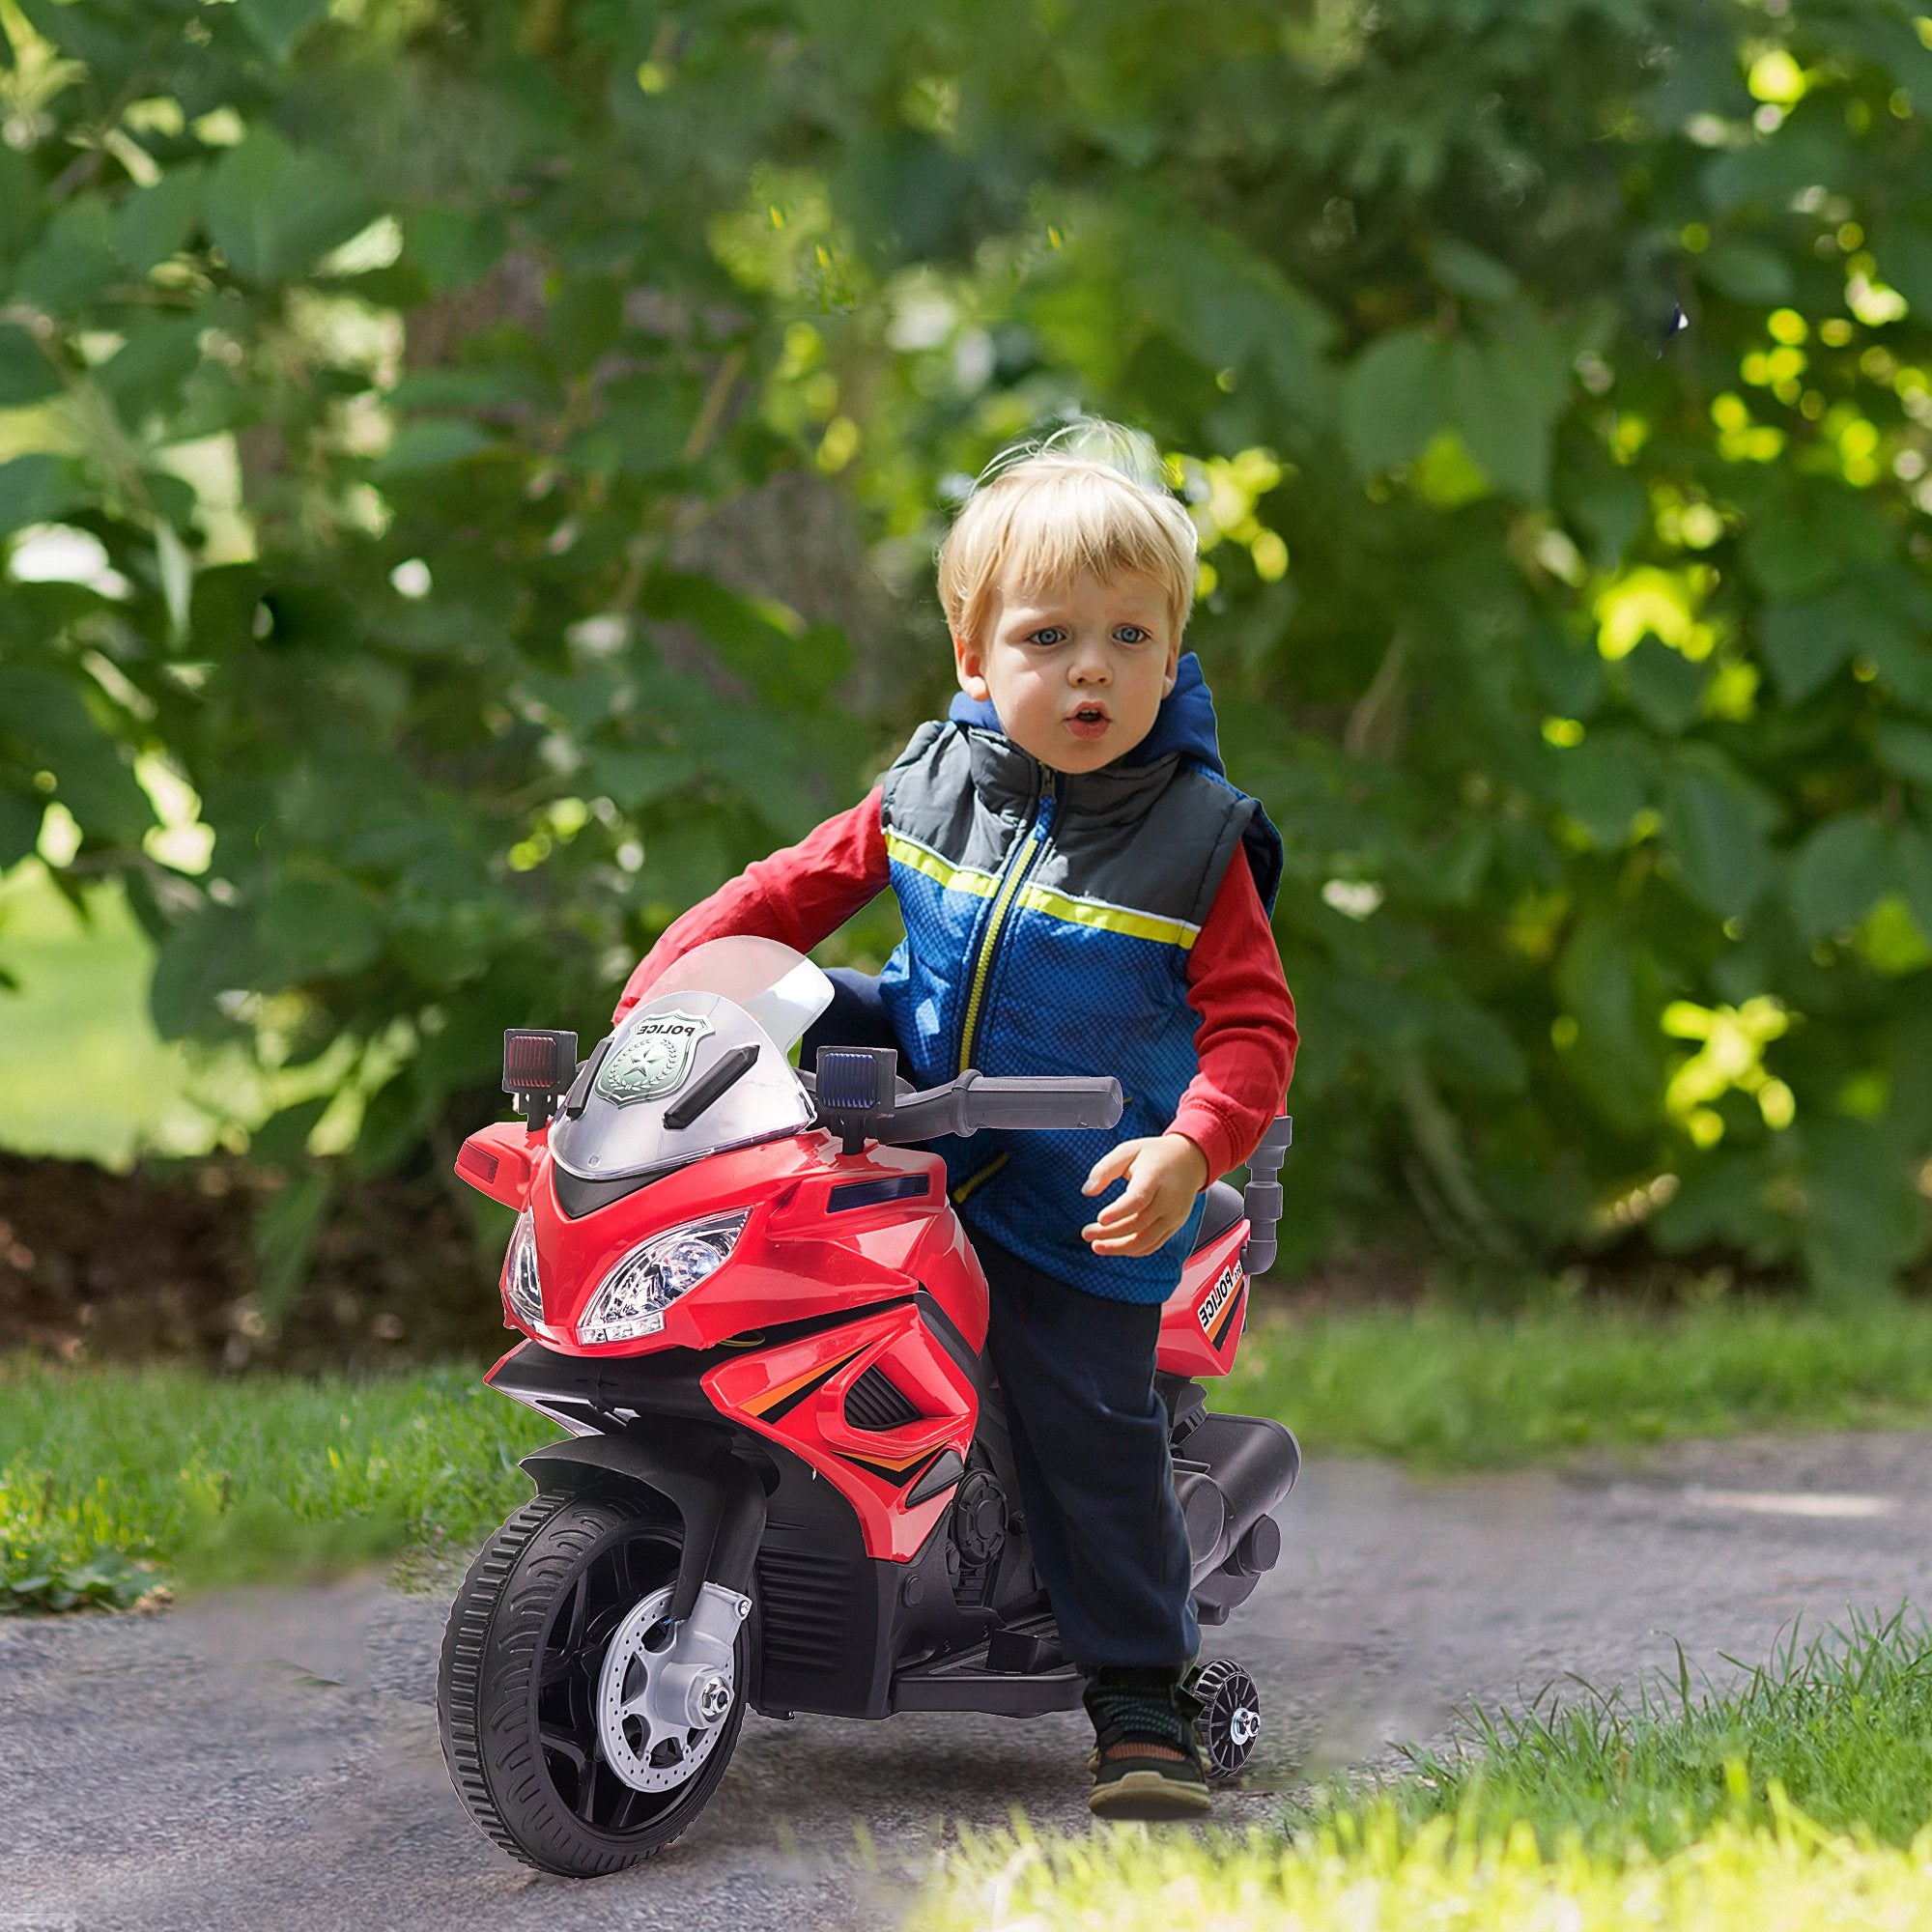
(1232, 1717)
(562, 1609)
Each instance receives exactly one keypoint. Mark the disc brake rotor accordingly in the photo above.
(649, 1746)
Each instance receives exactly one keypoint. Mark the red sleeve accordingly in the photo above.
(800, 895)
(1247, 1038)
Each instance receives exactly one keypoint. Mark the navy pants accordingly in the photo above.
(1088, 1433)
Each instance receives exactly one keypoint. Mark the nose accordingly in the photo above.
(1090, 664)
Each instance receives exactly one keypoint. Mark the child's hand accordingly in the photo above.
(1163, 1176)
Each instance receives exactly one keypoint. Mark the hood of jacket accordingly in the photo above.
(1183, 727)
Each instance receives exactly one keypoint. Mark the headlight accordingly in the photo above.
(521, 1284)
(637, 1292)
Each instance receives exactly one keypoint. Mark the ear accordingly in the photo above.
(1173, 667)
(970, 662)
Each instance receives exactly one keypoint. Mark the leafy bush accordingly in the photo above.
(436, 398)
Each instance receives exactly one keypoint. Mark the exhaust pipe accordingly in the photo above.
(1237, 1467)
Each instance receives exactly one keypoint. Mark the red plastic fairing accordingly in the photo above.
(796, 1394)
(800, 1254)
(1200, 1325)
(498, 1160)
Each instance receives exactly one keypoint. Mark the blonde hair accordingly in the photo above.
(1093, 497)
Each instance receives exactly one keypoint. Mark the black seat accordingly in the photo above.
(1224, 1208)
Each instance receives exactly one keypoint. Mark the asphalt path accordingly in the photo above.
(268, 1762)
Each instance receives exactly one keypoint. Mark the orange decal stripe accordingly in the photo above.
(772, 1397)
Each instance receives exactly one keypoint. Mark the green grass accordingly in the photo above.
(1796, 1799)
(1442, 1388)
(1839, 1724)
(113, 1480)
(103, 1468)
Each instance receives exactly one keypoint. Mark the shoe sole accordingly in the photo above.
(1146, 1797)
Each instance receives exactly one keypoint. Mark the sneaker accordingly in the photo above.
(1147, 1760)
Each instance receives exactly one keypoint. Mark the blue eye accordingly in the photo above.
(1051, 634)
(1132, 633)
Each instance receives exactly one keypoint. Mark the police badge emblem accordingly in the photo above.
(654, 1061)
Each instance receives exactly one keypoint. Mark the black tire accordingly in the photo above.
(1232, 1720)
(517, 1683)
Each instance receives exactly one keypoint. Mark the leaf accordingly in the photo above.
(1611, 512)
(1914, 848)
(1838, 873)
(307, 927)
(160, 354)
(1904, 665)
(1393, 399)
(44, 708)
(1904, 252)
(1603, 782)
(1768, 172)
(272, 210)
(455, 247)
(1469, 272)
(154, 223)
(26, 374)
(73, 260)
(1724, 1199)
(277, 26)
(280, 1139)
(1804, 644)
(1617, 1056)
(1507, 392)
(1666, 687)
(1230, 306)
(206, 953)
(1906, 750)
(1861, 1210)
(436, 443)
(1748, 271)
(1712, 830)
(38, 490)
(20, 815)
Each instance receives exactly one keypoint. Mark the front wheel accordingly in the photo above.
(561, 1611)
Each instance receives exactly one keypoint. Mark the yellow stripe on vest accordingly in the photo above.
(1110, 918)
(954, 878)
(1096, 913)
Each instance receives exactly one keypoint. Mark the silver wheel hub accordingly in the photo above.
(664, 1692)
(1243, 1724)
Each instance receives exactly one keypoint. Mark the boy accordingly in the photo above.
(1084, 893)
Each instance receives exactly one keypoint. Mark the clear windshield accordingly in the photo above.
(729, 1005)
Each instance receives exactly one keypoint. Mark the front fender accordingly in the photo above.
(719, 1498)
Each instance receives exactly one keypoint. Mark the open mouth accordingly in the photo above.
(1089, 720)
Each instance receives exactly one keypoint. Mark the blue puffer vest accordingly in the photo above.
(1049, 917)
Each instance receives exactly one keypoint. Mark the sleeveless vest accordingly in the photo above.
(1049, 917)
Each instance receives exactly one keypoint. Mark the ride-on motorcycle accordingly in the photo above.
(787, 1481)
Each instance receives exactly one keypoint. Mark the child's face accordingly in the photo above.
(1077, 671)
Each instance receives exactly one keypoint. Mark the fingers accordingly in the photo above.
(1136, 1221)
(1111, 1165)
(1141, 1238)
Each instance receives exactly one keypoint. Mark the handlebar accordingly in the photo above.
(962, 1106)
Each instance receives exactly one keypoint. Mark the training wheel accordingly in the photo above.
(1232, 1720)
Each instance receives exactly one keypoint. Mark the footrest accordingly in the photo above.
(1017, 1672)
(1024, 1649)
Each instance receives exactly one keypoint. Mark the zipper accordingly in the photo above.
(1018, 867)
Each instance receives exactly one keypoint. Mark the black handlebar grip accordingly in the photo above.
(1043, 1100)
(1261, 1199)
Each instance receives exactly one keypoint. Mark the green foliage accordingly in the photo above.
(1586, 671)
